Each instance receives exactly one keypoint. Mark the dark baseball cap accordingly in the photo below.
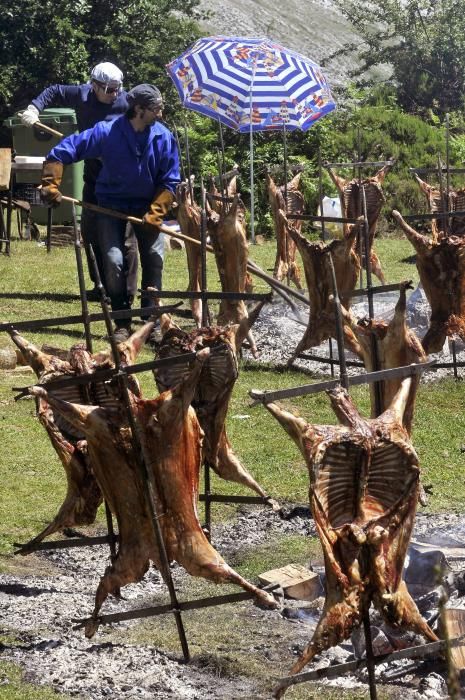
(145, 95)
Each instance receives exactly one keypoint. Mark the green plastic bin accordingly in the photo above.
(34, 141)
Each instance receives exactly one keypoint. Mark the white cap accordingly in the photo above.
(107, 73)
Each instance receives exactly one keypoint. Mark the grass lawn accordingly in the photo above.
(40, 285)
(35, 285)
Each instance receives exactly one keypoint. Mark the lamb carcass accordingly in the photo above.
(439, 203)
(214, 389)
(229, 191)
(396, 345)
(189, 219)
(364, 485)
(441, 266)
(229, 242)
(171, 439)
(285, 263)
(322, 318)
(352, 208)
(83, 495)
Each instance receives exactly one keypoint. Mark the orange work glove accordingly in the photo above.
(158, 209)
(52, 172)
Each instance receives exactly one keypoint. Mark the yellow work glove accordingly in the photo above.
(158, 209)
(52, 172)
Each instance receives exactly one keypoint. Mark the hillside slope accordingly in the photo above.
(313, 27)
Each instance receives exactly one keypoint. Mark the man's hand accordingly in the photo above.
(52, 172)
(30, 116)
(158, 209)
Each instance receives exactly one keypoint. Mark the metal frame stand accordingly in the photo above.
(345, 381)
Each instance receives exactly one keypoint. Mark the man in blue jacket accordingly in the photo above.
(139, 174)
(101, 99)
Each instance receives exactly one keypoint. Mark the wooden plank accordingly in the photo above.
(297, 581)
(455, 621)
(5, 168)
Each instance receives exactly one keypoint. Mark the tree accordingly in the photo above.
(422, 42)
(55, 41)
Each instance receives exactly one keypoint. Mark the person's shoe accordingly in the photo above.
(93, 294)
(121, 334)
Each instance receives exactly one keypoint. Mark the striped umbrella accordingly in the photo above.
(251, 84)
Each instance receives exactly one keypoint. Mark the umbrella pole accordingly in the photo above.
(188, 161)
(288, 271)
(252, 188)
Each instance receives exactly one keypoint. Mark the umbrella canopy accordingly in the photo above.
(251, 84)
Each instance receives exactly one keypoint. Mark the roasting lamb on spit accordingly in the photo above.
(439, 203)
(364, 485)
(171, 439)
(285, 263)
(441, 266)
(189, 219)
(322, 318)
(383, 345)
(214, 389)
(83, 495)
(350, 192)
(228, 237)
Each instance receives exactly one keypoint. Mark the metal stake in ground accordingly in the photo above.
(147, 480)
(82, 285)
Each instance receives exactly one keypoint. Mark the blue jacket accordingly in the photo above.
(89, 111)
(82, 99)
(127, 182)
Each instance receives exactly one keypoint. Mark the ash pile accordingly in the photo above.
(435, 578)
(279, 330)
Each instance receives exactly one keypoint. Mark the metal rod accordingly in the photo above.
(305, 389)
(178, 143)
(360, 164)
(67, 544)
(142, 461)
(166, 609)
(112, 538)
(188, 161)
(49, 229)
(418, 652)
(369, 655)
(454, 358)
(82, 284)
(444, 199)
(329, 360)
(335, 219)
(203, 256)
(9, 213)
(343, 377)
(207, 499)
(252, 187)
(320, 196)
(73, 320)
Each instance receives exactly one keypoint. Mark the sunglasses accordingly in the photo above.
(107, 89)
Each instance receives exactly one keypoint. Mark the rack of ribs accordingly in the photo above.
(396, 345)
(439, 203)
(352, 208)
(364, 485)
(441, 266)
(171, 439)
(83, 494)
(213, 392)
(228, 237)
(322, 318)
(285, 263)
(189, 219)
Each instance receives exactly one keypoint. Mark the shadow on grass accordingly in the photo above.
(42, 296)
(410, 260)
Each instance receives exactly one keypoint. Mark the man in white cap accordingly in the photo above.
(101, 99)
(139, 175)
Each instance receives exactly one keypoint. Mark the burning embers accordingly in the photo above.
(364, 486)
